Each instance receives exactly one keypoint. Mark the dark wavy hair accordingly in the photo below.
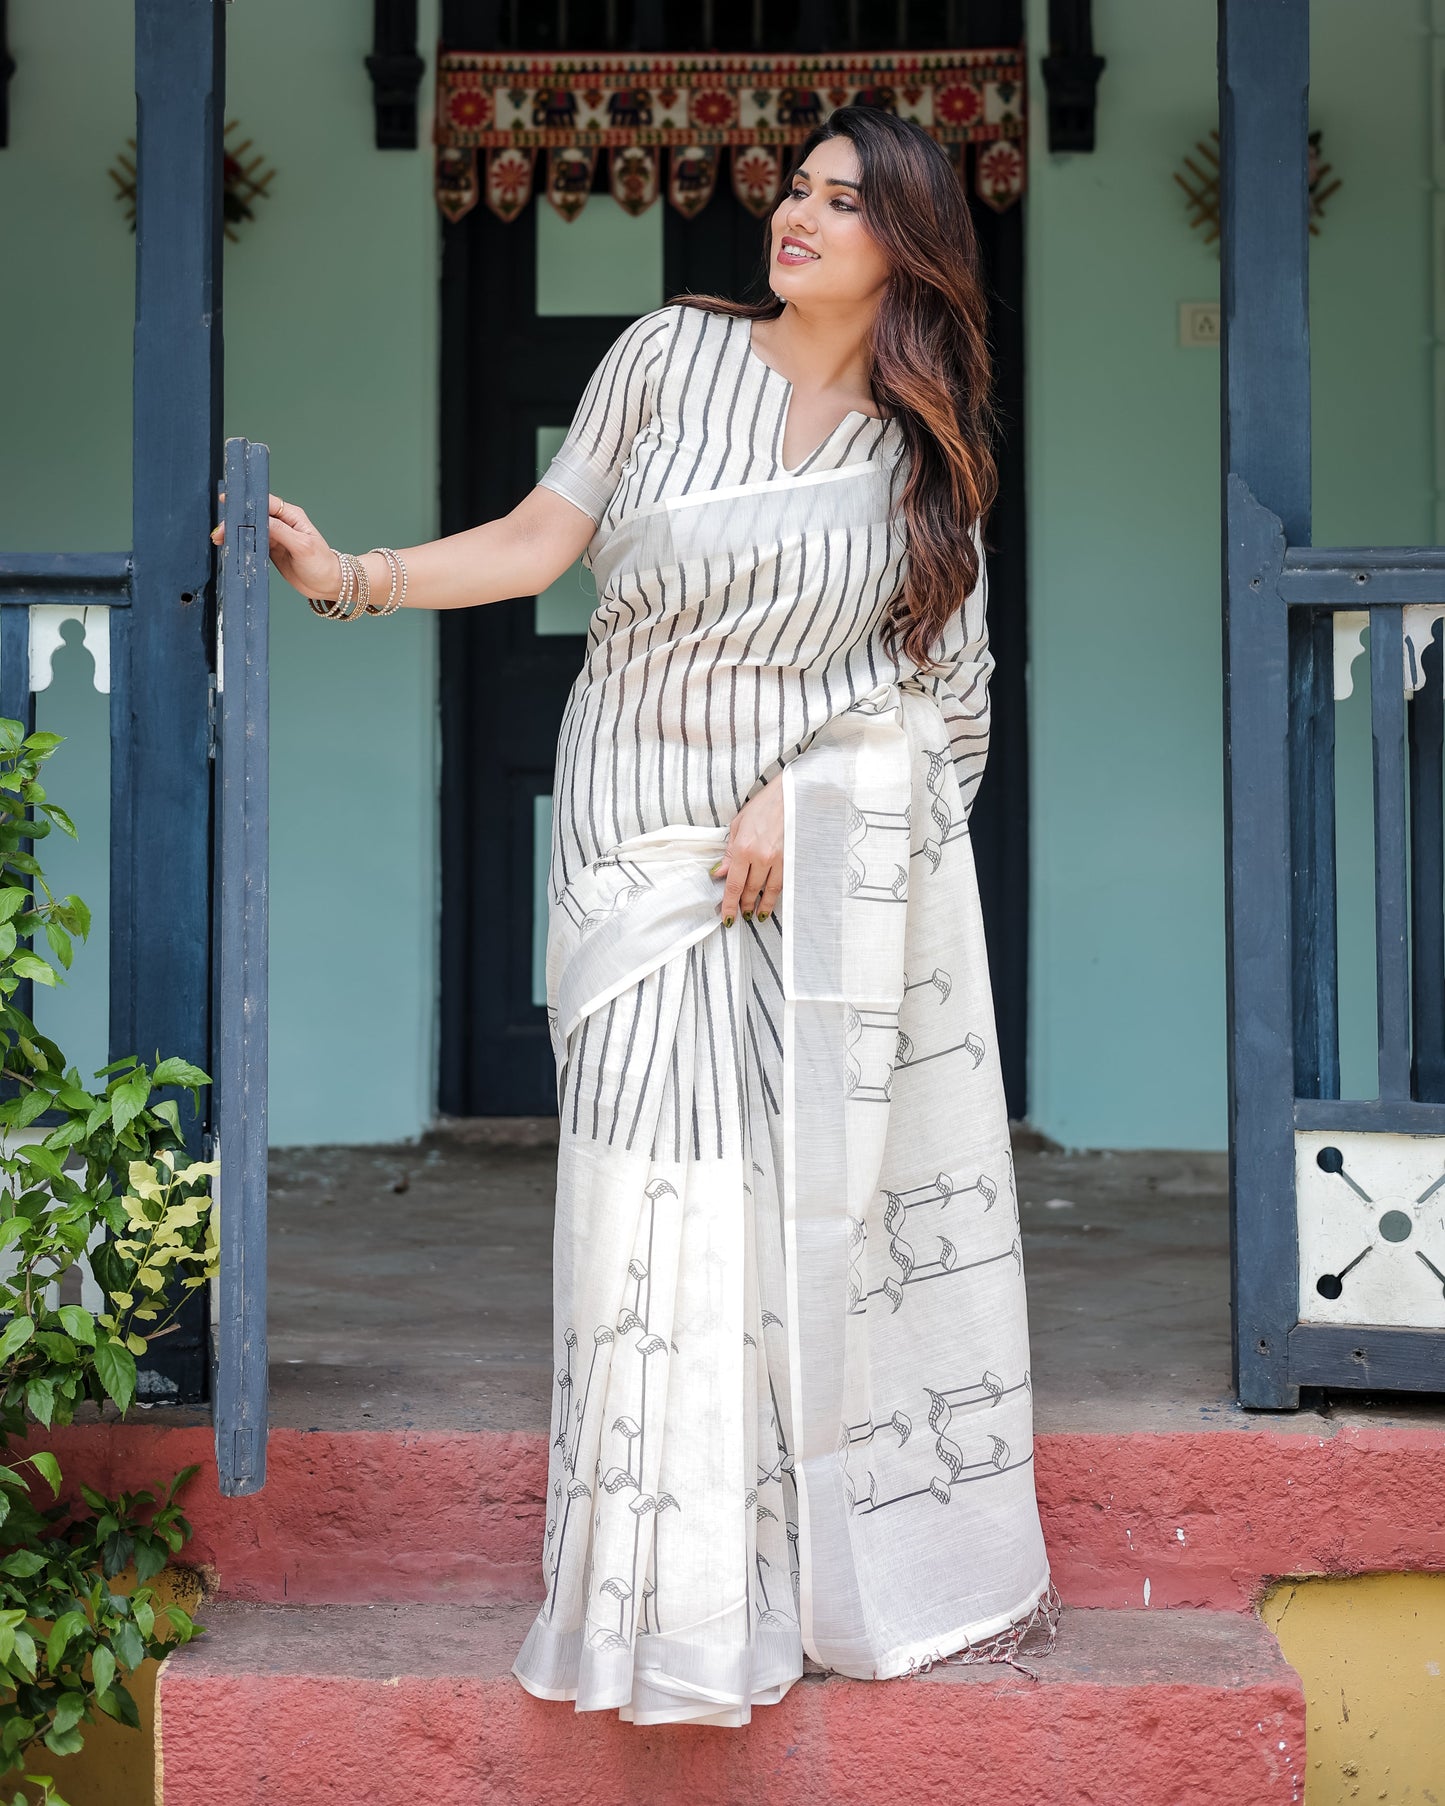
(928, 355)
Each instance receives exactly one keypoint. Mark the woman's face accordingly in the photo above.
(825, 215)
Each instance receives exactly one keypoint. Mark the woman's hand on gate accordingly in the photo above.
(298, 551)
(752, 866)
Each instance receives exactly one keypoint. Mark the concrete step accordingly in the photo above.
(1200, 1518)
(395, 1704)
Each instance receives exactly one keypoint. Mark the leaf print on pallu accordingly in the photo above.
(767, 1612)
(604, 1637)
(564, 1390)
(602, 1337)
(937, 980)
(577, 1490)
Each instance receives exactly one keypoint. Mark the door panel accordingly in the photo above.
(509, 395)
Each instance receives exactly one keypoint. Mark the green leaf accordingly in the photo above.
(23, 1654)
(64, 1743)
(61, 819)
(22, 1563)
(34, 1103)
(168, 1113)
(102, 1669)
(31, 966)
(80, 914)
(8, 938)
(115, 1368)
(42, 744)
(17, 1333)
(180, 1072)
(119, 1704)
(79, 1322)
(13, 898)
(128, 1100)
(129, 1649)
(60, 1348)
(60, 944)
(66, 1135)
(40, 1398)
(182, 1479)
(40, 1158)
(45, 1463)
(64, 1631)
(119, 1548)
(149, 1561)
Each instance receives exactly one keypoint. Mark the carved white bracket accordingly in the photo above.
(1350, 624)
(46, 621)
(1420, 619)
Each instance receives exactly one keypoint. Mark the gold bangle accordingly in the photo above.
(396, 595)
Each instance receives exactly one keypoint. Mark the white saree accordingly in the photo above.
(791, 1407)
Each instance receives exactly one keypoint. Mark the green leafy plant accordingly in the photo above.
(86, 1172)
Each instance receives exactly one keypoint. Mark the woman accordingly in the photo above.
(791, 1408)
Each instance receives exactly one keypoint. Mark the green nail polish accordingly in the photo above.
(747, 915)
(727, 921)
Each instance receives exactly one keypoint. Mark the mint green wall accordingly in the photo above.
(331, 347)
(1127, 1014)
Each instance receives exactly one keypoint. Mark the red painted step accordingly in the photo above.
(396, 1704)
(1200, 1518)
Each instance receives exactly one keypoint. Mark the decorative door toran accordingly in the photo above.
(635, 109)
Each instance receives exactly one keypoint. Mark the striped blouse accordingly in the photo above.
(739, 602)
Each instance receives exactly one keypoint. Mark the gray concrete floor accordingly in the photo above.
(411, 1288)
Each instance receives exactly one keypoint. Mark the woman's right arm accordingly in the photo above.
(518, 554)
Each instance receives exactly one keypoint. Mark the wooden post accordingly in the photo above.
(1265, 452)
(161, 645)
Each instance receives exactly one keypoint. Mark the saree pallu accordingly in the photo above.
(791, 1408)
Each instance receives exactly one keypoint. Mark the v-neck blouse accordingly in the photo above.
(852, 414)
(739, 603)
(682, 403)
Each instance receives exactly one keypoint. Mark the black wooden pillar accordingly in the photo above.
(161, 646)
(1265, 453)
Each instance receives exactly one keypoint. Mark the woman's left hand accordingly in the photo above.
(752, 866)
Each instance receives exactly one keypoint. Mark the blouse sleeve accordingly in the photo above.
(960, 682)
(615, 407)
